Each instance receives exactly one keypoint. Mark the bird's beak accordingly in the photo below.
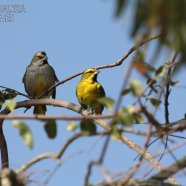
(42, 56)
(97, 71)
(45, 58)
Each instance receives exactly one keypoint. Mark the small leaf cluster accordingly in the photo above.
(6, 94)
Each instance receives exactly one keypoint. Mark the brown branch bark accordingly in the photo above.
(169, 171)
(56, 117)
(148, 156)
(3, 144)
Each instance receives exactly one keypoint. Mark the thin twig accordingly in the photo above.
(147, 156)
(137, 166)
(134, 48)
(177, 146)
(153, 121)
(55, 156)
(169, 171)
(89, 171)
(18, 93)
(167, 88)
(117, 63)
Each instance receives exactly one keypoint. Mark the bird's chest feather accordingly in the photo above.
(37, 82)
(88, 93)
(40, 84)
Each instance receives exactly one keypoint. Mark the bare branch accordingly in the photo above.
(167, 88)
(138, 45)
(55, 156)
(147, 156)
(26, 166)
(89, 171)
(137, 166)
(3, 148)
(17, 92)
(153, 121)
(169, 171)
(102, 123)
(56, 117)
(115, 64)
(133, 182)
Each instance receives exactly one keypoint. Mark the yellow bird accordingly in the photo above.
(88, 90)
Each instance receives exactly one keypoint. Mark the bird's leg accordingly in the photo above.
(92, 112)
(83, 107)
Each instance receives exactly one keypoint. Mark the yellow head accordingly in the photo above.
(39, 58)
(90, 74)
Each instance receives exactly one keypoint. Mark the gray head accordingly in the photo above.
(39, 58)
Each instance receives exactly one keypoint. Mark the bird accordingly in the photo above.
(38, 78)
(88, 90)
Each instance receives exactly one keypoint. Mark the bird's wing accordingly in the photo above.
(54, 93)
(56, 79)
(101, 90)
(23, 80)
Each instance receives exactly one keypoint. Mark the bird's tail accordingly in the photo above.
(40, 109)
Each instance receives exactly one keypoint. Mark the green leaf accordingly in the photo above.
(136, 87)
(24, 132)
(138, 118)
(87, 127)
(155, 102)
(71, 126)
(11, 104)
(107, 102)
(125, 118)
(160, 72)
(128, 116)
(116, 134)
(51, 128)
(130, 109)
(126, 91)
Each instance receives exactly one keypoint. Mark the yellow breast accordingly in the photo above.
(86, 92)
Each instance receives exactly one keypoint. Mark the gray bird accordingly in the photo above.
(38, 78)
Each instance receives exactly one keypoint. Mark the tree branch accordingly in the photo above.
(56, 117)
(115, 64)
(169, 171)
(55, 156)
(78, 109)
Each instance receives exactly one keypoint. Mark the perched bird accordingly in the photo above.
(38, 78)
(88, 90)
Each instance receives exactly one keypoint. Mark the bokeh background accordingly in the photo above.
(75, 35)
